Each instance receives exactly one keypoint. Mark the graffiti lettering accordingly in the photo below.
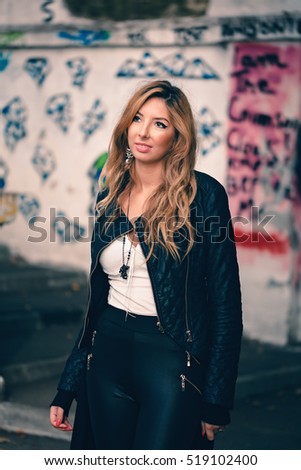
(45, 9)
(254, 61)
(245, 185)
(252, 27)
(187, 36)
(260, 119)
(137, 38)
(244, 84)
(261, 138)
(238, 141)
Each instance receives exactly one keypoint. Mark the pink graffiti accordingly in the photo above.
(263, 119)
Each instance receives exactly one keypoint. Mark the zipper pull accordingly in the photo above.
(89, 357)
(188, 336)
(188, 359)
(183, 385)
(93, 337)
(160, 327)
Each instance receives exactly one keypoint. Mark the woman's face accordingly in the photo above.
(151, 133)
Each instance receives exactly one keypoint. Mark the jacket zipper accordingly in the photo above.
(188, 358)
(183, 384)
(188, 331)
(158, 324)
(90, 276)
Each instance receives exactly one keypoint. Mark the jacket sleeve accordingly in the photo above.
(224, 300)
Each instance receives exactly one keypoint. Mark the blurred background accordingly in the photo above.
(67, 68)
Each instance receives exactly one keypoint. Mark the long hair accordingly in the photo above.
(167, 212)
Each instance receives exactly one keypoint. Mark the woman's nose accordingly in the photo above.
(144, 130)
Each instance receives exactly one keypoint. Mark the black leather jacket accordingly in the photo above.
(198, 300)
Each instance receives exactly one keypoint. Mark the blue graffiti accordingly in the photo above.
(206, 129)
(15, 115)
(3, 173)
(43, 161)
(174, 65)
(38, 68)
(29, 205)
(79, 71)
(146, 67)
(93, 119)
(58, 108)
(85, 37)
(4, 60)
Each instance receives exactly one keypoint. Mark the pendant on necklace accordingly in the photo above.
(123, 271)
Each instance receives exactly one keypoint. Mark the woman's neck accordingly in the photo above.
(147, 177)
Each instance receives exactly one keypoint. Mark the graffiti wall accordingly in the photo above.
(263, 121)
(59, 104)
(58, 109)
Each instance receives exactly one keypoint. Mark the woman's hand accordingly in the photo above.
(58, 419)
(210, 430)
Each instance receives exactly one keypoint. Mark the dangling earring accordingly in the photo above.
(128, 155)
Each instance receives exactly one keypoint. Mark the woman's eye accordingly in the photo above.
(161, 125)
(136, 118)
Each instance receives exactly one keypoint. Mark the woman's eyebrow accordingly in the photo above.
(157, 118)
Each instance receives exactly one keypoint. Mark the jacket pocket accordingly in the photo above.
(187, 382)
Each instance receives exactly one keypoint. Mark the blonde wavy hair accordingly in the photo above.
(168, 208)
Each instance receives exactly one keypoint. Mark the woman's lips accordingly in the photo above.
(143, 148)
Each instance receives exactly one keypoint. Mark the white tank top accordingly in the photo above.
(134, 294)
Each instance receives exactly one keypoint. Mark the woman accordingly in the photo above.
(156, 363)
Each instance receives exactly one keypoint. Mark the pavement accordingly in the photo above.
(37, 329)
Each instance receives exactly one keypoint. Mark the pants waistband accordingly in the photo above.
(132, 321)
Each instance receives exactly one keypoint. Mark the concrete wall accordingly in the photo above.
(63, 84)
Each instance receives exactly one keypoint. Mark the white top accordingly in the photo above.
(134, 294)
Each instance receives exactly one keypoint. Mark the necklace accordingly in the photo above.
(123, 271)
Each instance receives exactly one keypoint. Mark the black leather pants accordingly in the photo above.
(144, 391)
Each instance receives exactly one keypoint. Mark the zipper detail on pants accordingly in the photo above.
(183, 384)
